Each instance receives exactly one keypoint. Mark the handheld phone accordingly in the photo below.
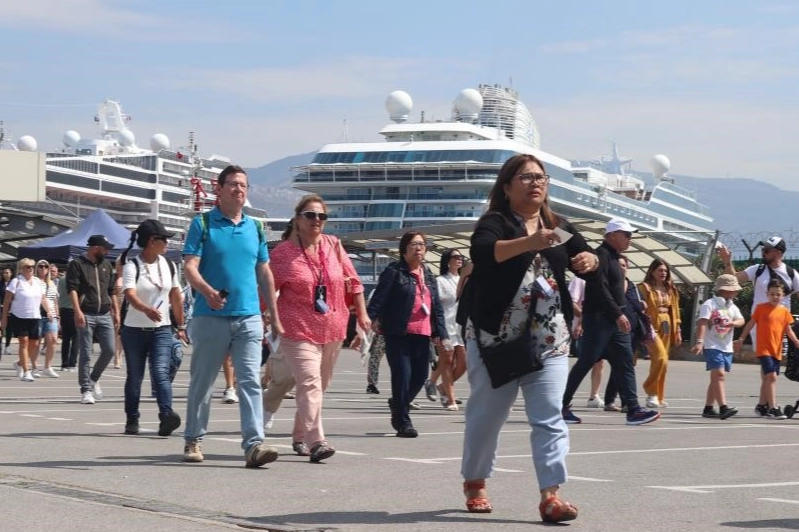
(223, 293)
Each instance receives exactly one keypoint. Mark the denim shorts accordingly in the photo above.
(48, 326)
(769, 364)
(717, 359)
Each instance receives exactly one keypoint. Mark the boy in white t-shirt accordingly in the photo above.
(718, 316)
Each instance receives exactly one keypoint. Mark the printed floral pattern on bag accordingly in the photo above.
(549, 328)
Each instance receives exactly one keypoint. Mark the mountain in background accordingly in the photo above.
(739, 205)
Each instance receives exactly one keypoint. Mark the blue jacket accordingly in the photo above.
(393, 299)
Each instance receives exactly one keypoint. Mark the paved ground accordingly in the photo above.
(66, 466)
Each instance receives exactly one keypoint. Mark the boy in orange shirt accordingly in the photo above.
(773, 321)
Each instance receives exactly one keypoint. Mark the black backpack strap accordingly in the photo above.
(760, 269)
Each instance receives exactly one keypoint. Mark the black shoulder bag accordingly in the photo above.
(508, 361)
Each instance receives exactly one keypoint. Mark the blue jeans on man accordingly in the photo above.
(603, 339)
(101, 327)
(213, 337)
(152, 344)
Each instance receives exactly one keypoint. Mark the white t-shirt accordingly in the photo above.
(27, 300)
(152, 289)
(448, 294)
(760, 296)
(720, 314)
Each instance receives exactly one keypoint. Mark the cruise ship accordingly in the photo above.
(437, 172)
(110, 171)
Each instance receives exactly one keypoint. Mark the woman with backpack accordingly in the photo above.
(151, 287)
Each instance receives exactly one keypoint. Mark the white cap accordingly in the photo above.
(619, 224)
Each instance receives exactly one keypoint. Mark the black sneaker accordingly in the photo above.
(761, 410)
(639, 416)
(407, 431)
(169, 422)
(710, 412)
(372, 389)
(776, 413)
(727, 412)
(132, 426)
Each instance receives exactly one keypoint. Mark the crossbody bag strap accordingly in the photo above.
(526, 328)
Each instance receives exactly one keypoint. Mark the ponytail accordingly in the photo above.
(124, 257)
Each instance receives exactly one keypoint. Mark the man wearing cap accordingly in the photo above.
(606, 329)
(90, 285)
(760, 274)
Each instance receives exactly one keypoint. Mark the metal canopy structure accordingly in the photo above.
(643, 249)
(18, 229)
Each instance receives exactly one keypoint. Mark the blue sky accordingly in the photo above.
(712, 84)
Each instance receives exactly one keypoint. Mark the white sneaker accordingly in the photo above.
(652, 402)
(26, 377)
(36, 373)
(268, 421)
(87, 398)
(50, 372)
(595, 402)
(230, 396)
(96, 390)
(20, 371)
(663, 404)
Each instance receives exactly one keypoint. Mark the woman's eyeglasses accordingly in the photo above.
(40, 266)
(160, 237)
(28, 267)
(313, 215)
(531, 178)
(456, 257)
(417, 244)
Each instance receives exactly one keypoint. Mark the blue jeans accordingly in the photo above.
(140, 346)
(214, 337)
(487, 410)
(603, 339)
(100, 326)
(408, 357)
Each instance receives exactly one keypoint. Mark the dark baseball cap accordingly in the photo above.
(100, 240)
(775, 242)
(150, 228)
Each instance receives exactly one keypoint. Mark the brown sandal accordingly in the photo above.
(476, 505)
(555, 510)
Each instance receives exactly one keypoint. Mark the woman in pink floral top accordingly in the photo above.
(310, 269)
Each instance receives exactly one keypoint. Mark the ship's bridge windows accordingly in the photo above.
(378, 226)
(80, 165)
(73, 180)
(408, 156)
(127, 173)
(138, 192)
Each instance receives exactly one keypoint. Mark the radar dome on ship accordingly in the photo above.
(126, 137)
(468, 104)
(660, 165)
(159, 142)
(27, 143)
(399, 105)
(70, 138)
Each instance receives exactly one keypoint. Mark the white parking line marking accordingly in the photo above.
(30, 415)
(781, 501)
(712, 487)
(589, 479)
(59, 419)
(499, 469)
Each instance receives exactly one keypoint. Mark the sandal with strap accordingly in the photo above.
(476, 505)
(555, 510)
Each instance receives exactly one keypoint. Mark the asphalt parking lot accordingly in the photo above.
(66, 466)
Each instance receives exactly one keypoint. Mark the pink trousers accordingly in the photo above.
(312, 366)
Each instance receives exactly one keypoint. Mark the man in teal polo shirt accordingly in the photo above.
(226, 263)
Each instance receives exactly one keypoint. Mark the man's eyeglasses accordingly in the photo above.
(313, 215)
(531, 178)
(626, 234)
(417, 244)
(236, 184)
(766, 250)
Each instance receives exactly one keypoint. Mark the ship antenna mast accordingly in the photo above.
(196, 183)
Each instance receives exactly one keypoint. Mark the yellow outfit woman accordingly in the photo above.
(664, 311)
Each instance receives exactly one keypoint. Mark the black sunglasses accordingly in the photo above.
(313, 215)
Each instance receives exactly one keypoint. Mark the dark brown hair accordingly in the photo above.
(405, 241)
(229, 171)
(498, 200)
(650, 273)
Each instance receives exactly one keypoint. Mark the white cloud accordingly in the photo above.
(351, 78)
(113, 19)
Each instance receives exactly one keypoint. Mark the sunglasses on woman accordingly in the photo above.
(313, 215)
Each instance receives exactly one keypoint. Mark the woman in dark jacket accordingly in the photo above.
(406, 308)
(521, 251)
